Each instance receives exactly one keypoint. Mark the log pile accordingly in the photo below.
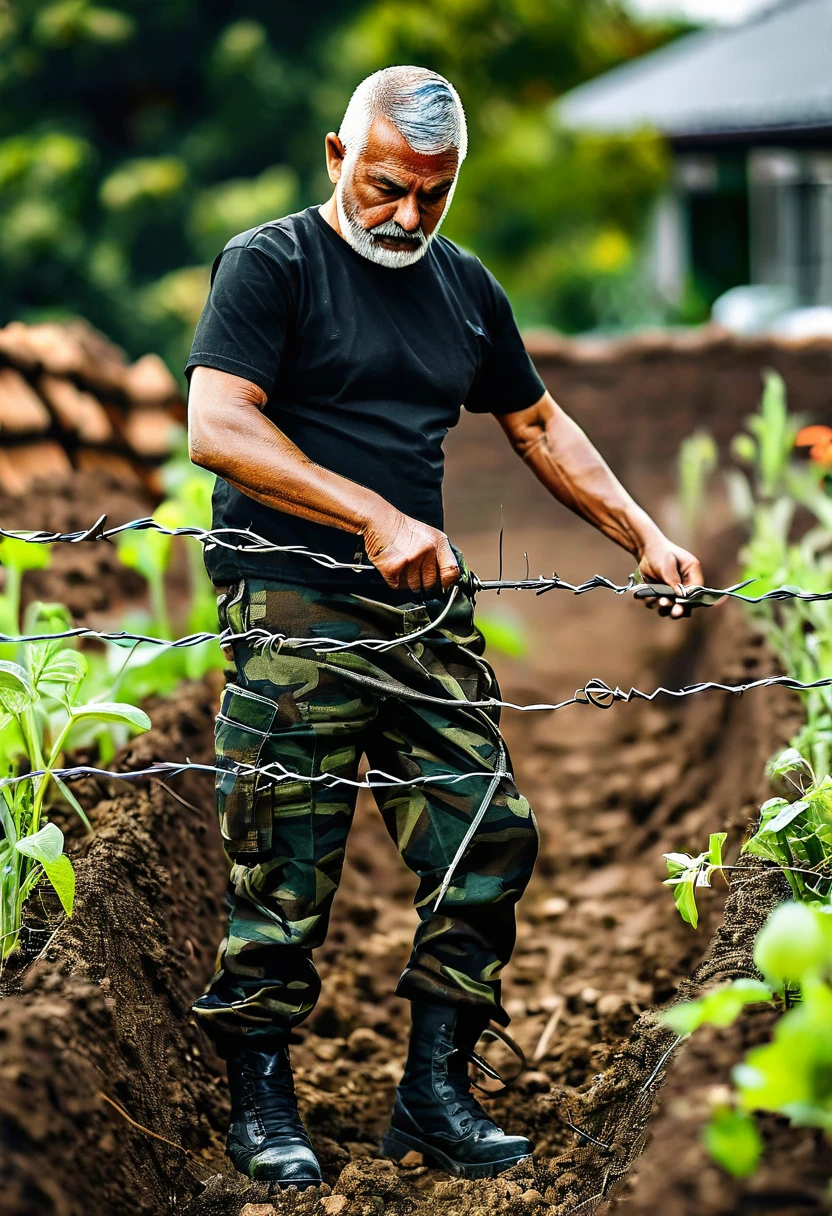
(70, 399)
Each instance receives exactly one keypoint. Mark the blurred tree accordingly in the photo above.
(137, 136)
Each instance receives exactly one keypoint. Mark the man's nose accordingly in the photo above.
(408, 215)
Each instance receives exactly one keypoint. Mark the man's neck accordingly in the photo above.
(329, 212)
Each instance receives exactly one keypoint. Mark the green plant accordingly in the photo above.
(697, 461)
(687, 873)
(791, 1074)
(797, 834)
(157, 670)
(16, 557)
(40, 707)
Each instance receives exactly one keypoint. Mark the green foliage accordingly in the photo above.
(40, 707)
(504, 632)
(792, 1074)
(150, 670)
(797, 835)
(721, 1007)
(686, 873)
(697, 460)
(766, 500)
(125, 164)
(732, 1139)
(794, 946)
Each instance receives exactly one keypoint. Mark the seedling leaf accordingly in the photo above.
(62, 877)
(787, 762)
(44, 846)
(16, 689)
(685, 897)
(720, 1007)
(112, 711)
(785, 816)
(734, 1142)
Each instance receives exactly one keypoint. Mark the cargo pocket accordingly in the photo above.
(244, 800)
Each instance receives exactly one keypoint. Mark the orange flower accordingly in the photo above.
(809, 436)
(821, 453)
(818, 439)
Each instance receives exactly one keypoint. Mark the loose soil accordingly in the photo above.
(112, 1102)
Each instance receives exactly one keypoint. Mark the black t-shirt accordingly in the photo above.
(366, 368)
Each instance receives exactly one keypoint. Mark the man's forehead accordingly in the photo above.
(387, 148)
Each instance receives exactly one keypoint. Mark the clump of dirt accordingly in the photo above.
(113, 1102)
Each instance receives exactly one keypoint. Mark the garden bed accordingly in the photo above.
(112, 1101)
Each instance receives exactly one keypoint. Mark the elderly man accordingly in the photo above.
(335, 350)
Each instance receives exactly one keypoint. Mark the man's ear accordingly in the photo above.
(334, 157)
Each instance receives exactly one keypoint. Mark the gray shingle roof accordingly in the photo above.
(773, 71)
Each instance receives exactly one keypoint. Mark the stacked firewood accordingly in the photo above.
(70, 399)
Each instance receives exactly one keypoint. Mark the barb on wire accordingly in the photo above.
(211, 538)
(595, 692)
(542, 584)
(252, 542)
(274, 774)
(258, 638)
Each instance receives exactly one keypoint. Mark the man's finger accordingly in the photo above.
(448, 568)
(691, 572)
(430, 573)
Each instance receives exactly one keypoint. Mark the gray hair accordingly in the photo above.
(422, 105)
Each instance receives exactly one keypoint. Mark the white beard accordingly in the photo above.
(363, 240)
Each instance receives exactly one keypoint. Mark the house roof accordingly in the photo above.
(769, 74)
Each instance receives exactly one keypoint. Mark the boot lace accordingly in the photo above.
(465, 1105)
(271, 1103)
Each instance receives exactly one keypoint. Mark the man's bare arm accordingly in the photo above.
(572, 470)
(229, 434)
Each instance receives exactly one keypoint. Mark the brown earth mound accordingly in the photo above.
(112, 1102)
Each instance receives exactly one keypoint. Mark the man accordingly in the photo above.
(335, 350)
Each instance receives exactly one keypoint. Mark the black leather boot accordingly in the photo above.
(435, 1113)
(266, 1138)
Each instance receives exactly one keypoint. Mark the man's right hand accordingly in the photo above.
(410, 555)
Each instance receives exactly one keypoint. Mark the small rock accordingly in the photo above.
(556, 905)
(363, 1043)
(412, 1160)
(332, 1204)
(258, 1209)
(532, 1199)
(536, 1082)
(612, 1003)
(326, 1049)
(448, 1190)
(589, 995)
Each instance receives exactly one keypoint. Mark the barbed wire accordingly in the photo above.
(254, 543)
(257, 638)
(595, 693)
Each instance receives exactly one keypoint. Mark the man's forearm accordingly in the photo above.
(236, 441)
(570, 467)
(228, 434)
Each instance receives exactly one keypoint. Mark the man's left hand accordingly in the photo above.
(664, 562)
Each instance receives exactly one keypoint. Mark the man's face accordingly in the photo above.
(391, 199)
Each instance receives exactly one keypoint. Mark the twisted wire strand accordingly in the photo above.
(254, 543)
(257, 638)
(594, 693)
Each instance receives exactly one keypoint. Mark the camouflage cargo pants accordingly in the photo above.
(313, 712)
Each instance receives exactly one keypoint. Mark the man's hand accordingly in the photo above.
(409, 554)
(664, 562)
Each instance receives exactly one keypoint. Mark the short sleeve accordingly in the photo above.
(506, 380)
(243, 325)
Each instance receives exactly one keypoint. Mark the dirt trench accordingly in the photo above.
(111, 1100)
